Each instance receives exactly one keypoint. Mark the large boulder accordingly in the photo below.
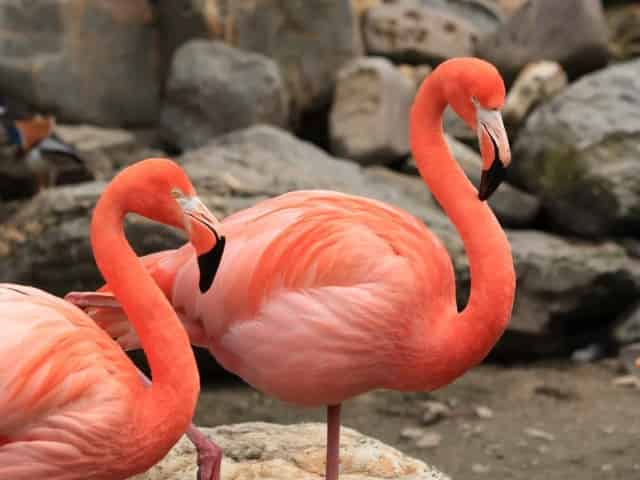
(369, 120)
(571, 32)
(214, 89)
(569, 293)
(580, 152)
(309, 40)
(292, 452)
(71, 57)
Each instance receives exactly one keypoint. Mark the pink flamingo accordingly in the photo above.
(327, 295)
(72, 405)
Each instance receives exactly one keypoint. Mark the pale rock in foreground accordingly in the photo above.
(369, 120)
(295, 452)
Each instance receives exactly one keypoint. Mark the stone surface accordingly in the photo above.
(46, 242)
(294, 452)
(485, 15)
(571, 32)
(579, 153)
(512, 206)
(627, 328)
(106, 150)
(509, 7)
(569, 293)
(69, 57)
(213, 89)
(411, 31)
(630, 358)
(369, 119)
(535, 84)
(624, 31)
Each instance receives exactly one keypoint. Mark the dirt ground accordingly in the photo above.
(557, 421)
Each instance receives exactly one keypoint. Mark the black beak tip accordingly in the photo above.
(208, 264)
(491, 179)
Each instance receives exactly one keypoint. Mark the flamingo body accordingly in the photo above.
(65, 387)
(72, 405)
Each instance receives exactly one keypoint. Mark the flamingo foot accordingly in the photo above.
(209, 454)
(333, 442)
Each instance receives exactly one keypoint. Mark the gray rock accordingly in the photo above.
(292, 452)
(106, 150)
(512, 206)
(580, 152)
(627, 328)
(629, 357)
(411, 31)
(568, 292)
(70, 59)
(369, 120)
(571, 32)
(624, 24)
(214, 89)
(46, 242)
(309, 40)
(485, 15)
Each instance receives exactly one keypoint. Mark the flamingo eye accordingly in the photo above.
(177, 193)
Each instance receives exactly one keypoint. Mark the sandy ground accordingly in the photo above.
(545, 421)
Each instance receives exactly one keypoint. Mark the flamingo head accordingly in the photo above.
(476, 92)
(159, 189)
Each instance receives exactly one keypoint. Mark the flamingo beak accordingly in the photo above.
(209, 245)
(494, 147)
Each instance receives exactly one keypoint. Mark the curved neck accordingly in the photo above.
(169, 403)
(488, 310)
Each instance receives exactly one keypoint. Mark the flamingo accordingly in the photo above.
(327, 295)
(72, 405)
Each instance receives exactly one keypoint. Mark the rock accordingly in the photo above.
(416, 33)
(70, 58)
(213, 89)
(579, 153)
(360, 7)
(627, 328)
(434, 412)
(624, 25)
(369, 120)
(569, 293)
(512, 206)
(262, 450)
(46, 242)
(536, 83)
(509, 7)
(485, 15)
(415, 73)
(483, 412)
(629, 357)
(429, 440)
(106, 150)
(571, 32)
(457, 128)
(539, 434)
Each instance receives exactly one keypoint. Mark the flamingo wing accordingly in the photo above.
(315, 283)
(65, 386)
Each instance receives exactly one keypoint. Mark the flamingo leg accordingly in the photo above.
(333, 442)
(208, 453)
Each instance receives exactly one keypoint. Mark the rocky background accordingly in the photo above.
(259, 97)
